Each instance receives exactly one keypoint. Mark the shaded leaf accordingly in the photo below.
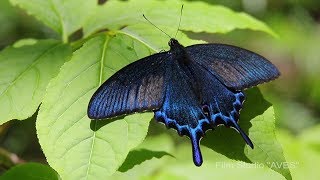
(216, 166)
(30, 171)
(25, 72)
(137, 157)
(257, 118)
(157, 149)
(63, 16)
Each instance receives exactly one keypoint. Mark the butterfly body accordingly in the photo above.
(191, 89)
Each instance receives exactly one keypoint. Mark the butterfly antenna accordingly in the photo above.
(156, 26)
(179, 21)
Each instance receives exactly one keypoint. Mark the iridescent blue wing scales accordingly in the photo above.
(135, 88)
(220, 103)
(235, 67)
(195, 101)
(181, 109)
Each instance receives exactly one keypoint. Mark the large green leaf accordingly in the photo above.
(25, 71)
(180, 166)
(197, 16)
(257, 118)
(30, 171)
(146, 159)
(75, 146)
(66, 16)
(216, 166)
(63, 16)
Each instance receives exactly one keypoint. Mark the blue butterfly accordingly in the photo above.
(191, 89)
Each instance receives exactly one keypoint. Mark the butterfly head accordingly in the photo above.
(173, 43)
(178, 51)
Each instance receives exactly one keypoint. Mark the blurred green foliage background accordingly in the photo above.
(295, 95)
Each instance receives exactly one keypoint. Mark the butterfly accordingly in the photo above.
(191, 89)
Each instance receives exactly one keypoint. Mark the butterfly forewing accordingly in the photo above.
(135, 88)
(235, 67)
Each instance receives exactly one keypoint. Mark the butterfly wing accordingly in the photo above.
(181, 109)
(235, 67)
(195, 101)
(221, 104)
(135, 88)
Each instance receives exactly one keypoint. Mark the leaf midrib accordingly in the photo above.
(95, 122)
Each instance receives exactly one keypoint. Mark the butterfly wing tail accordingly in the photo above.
(244, 136)
(197, 156)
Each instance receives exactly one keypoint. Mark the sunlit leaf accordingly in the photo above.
(154, 39)
(75, 146)
(196, 16)
(116, 14)
(25, 71)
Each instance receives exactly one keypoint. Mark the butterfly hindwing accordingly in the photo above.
(235, 67)
(195, 101)
(137, 87)
(221, 104)
(181, 109)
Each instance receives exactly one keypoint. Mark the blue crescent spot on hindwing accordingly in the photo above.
(192, 110)
(196, 133)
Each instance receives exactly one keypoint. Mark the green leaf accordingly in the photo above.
(196, 17)
(66, 16)
(215, 166)
(63, 16)
(257, 118)
(147, 158)
(136, 157)
(30, 171)
(151, 37)
(147, 151)
(75, 146)
(25, 72)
